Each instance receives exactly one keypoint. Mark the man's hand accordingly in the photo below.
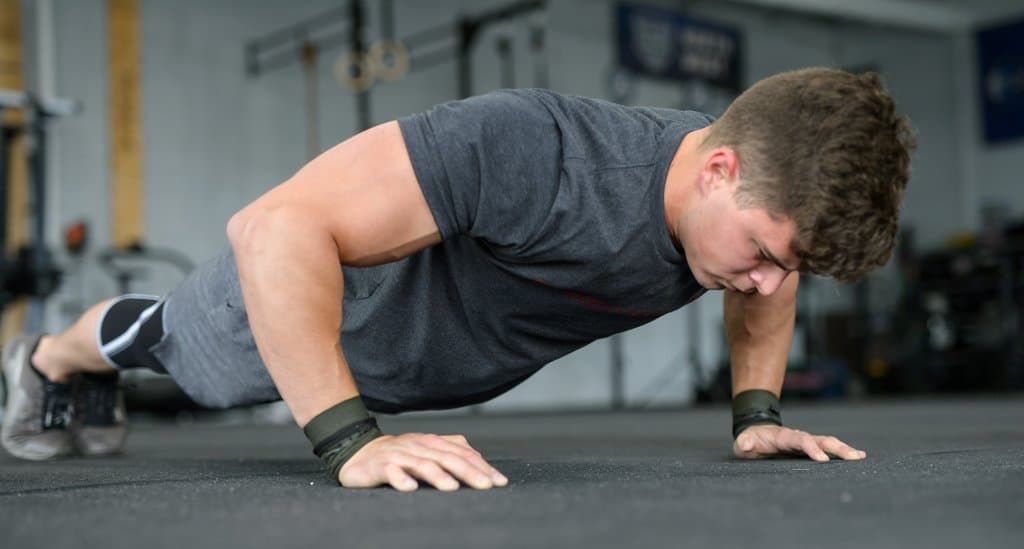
(761, 441)
(439, 460)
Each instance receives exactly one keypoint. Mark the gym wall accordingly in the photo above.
(215, 139)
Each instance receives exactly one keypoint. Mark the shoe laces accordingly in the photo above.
(97, 398)
(58, 405)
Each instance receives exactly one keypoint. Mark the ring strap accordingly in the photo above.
(754, 407)
(340, 431)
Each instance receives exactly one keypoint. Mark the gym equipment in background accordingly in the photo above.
(31, 272)
(387, 59)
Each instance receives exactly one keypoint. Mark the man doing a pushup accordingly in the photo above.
(439, 260)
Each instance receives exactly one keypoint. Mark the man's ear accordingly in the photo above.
(721, 167)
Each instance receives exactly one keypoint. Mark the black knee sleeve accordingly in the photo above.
(128, 329)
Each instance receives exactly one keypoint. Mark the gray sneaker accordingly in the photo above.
(37, 417)
(100, 425)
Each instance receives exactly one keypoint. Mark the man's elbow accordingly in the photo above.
(253, 229)
(240, 229)
(249, 225)
(236, 227)
(245, 222)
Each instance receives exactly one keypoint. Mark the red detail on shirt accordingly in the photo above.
(594, 304)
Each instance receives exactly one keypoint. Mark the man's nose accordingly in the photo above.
(767, 279)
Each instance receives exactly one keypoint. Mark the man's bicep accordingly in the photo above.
(364, 193)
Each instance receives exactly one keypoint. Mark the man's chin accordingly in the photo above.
(703, 278)
(709, 283)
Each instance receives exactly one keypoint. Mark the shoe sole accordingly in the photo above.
(103, 441)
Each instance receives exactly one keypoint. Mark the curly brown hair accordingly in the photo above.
(825, 148)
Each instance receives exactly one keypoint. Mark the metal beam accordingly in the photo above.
(50, 106)
(911, 14)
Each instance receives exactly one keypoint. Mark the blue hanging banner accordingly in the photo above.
(661, 43)
(1001, 81)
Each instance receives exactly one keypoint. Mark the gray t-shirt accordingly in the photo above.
(551, 210)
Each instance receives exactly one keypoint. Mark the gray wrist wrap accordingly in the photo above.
(754, 407)
(339, 432)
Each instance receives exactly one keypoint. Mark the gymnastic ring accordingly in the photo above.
(399, 65)
(362, 63)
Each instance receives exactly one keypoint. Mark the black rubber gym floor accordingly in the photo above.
(940, 473)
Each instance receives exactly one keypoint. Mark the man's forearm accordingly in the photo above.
(759, 330)
(292, 284)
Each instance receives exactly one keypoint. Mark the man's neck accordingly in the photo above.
(681, 181)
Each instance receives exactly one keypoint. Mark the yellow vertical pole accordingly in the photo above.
(125, 122)
(17, 176)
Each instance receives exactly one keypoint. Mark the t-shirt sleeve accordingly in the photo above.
(488, 166)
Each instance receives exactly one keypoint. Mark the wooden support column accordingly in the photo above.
(17, 176)
(125, 123)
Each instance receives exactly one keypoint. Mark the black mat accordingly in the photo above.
(940, 473)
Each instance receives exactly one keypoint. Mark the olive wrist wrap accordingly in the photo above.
(339, 432)
(754, 407)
